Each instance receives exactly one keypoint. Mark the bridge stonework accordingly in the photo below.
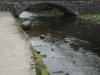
(74, 7)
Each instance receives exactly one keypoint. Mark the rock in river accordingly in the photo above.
(42, 36)
(26, 25)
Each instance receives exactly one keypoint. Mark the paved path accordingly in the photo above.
(14, 51)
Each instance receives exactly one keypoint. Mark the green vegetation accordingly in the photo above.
(41, 68)
(89, 17)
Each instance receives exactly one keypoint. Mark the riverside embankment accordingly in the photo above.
(90, 17)
(15, 52)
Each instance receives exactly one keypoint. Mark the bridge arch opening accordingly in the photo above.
(53, 8)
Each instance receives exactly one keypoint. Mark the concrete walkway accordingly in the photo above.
(14, 51)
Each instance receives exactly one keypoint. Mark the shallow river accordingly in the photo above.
(71, 47)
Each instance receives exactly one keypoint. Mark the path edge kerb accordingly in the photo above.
(34, 55)
(25, 37)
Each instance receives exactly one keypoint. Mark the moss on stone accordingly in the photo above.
(41, 68)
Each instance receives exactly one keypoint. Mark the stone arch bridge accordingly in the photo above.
(68, 7)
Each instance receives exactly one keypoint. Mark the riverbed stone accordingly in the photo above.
(26, 24)
(42, 36)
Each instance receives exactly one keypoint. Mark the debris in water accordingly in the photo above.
(65, 41)
(52, 49)
(74, 62)
(50, 44)
(58, 45)
(53, 57)
(53, 43)
(38, 52)
(67, 74)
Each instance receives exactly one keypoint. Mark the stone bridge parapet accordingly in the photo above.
(73, 7)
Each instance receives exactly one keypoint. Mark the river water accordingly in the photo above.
(70, 46)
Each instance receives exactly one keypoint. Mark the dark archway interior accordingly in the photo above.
(50, 6)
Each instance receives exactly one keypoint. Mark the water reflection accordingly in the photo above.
(27, 15)
(63, 27)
